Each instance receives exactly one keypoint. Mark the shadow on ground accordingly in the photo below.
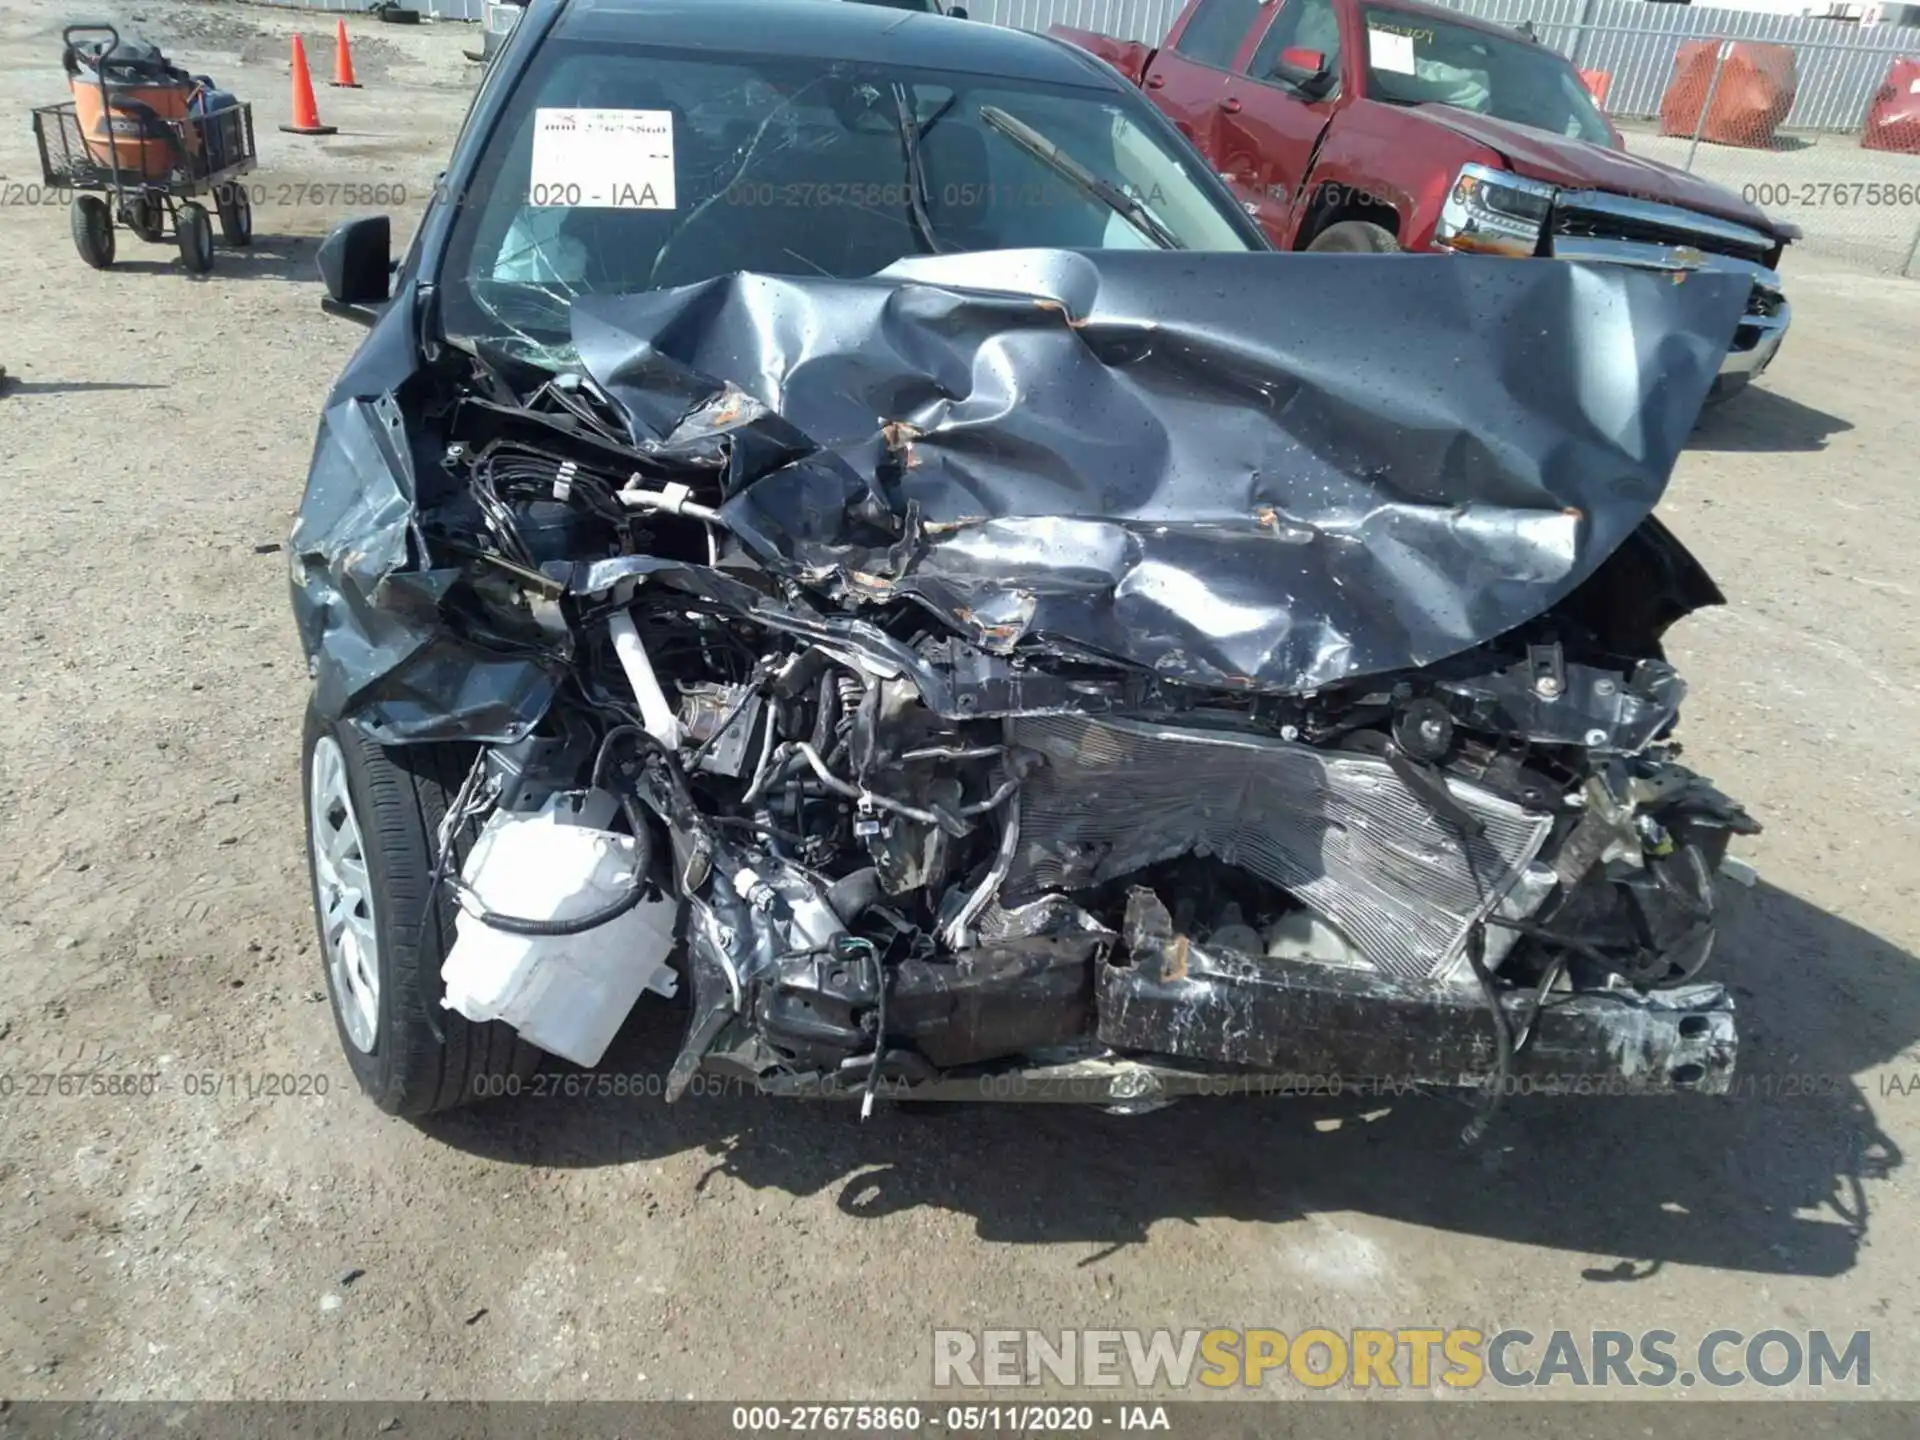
(1763, 420)
(269, 257)
(1769, 1179)
(69, 387)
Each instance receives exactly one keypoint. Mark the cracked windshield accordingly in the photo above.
(631, 171)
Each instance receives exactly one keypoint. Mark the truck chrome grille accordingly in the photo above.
(1594, 214)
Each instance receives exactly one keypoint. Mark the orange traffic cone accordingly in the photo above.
(306, 114)
(342, 59)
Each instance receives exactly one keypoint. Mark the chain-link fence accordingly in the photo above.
(431, 9)
(1855, 193)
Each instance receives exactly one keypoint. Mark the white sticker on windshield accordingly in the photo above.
(603, 159)
(1390, 51)
(1913, 87)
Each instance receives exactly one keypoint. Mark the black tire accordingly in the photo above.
(1355, 237)
(194, 231)
(236, 215)
(399, 798)
(146, 219)
(92, 226)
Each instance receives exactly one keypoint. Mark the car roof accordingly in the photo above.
(872, 34)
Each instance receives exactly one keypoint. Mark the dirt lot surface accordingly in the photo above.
(196, 1242)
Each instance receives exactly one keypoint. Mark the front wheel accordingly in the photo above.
(1355, 237)
(372, 814)
(195, 233)
(92, 226)
(236, 215)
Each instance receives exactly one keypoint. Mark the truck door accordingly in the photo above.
(1186, 76)
(1273, 110)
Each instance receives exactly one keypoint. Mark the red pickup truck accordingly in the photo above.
(1384, 125)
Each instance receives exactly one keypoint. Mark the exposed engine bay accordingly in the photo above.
(992, 682)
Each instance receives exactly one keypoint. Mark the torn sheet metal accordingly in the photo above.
(384, 635)
(1264, 472)
(1575, 705)
(1341, 832)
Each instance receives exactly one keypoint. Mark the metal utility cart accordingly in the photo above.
(139, 140)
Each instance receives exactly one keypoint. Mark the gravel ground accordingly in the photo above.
(195, 1243)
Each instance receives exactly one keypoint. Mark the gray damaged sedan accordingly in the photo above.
(841, 526)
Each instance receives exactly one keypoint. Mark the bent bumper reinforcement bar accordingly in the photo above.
(1185, 1021)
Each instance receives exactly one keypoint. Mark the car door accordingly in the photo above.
(1269, 125)
(1187, 75)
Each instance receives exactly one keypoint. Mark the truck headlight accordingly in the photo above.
(1493, 212)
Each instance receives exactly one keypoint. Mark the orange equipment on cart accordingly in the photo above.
(125, 93)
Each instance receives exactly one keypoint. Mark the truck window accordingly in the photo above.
(1418, 59)
(1215, 29)
(1304, 25)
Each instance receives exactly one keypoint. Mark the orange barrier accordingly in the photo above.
(342, 59)
(306, 113)
(1753, 95)
(1893, 121)
(1598, 82)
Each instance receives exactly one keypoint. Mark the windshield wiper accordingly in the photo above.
(1126, 206)
(911, 131)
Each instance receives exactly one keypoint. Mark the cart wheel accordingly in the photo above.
(195, 234)
(92, 230)
(236, 215)
(146, 219)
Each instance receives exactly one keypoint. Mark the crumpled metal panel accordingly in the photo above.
(373, 624)
(1342, 832)
(1259, 471)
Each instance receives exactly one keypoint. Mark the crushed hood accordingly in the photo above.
(1254, 471)
(1578, 165)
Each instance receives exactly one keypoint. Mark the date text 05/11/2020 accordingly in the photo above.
(908, 1419)
(195, 1084)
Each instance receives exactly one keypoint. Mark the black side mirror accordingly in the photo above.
(957, 12)
(1305, 70)
(356, 266)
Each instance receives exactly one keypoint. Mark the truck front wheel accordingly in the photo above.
(1355, 237)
